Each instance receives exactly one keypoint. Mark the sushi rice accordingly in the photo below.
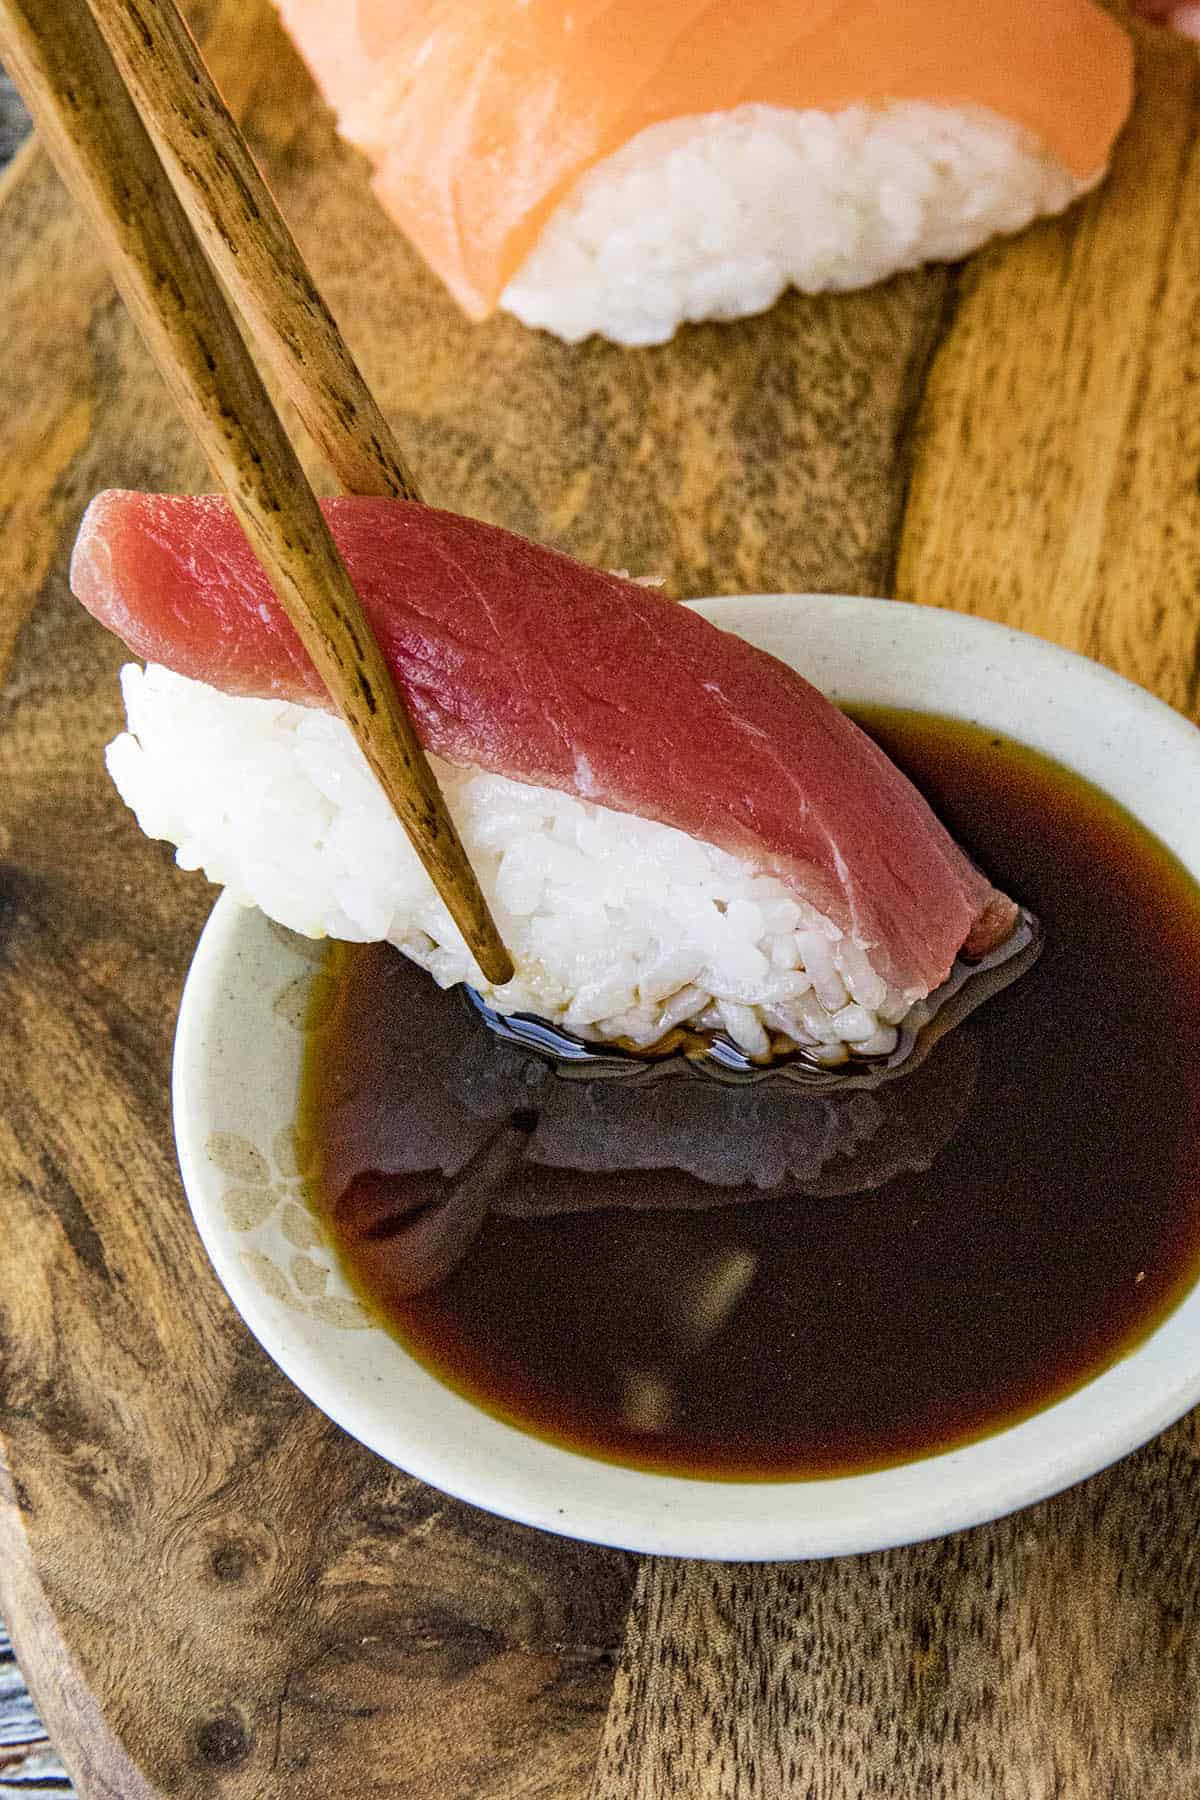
(620, 928)
(712, 217)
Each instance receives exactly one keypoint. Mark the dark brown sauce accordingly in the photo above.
(923, 1265)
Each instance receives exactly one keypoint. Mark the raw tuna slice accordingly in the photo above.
(518, 661)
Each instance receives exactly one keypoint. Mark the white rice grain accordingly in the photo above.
(619, 927)
(713, 216)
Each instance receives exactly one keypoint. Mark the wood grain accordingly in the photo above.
(26, 1755)
(213, 1590)
(1057, 475)
(1054, 1654)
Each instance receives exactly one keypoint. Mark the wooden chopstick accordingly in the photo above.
(59, 60)
(249, 243)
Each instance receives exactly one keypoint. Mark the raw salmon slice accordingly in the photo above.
(480, 116)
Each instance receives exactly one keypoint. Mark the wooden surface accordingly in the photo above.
(28, 1762)
(213, 1590)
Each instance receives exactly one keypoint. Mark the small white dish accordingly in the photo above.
(237, 1064)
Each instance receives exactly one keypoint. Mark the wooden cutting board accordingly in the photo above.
(215, 1592)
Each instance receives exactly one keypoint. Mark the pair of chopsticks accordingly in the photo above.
(113, 87)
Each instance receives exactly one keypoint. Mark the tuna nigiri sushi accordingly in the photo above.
(619, 167)
(672, 827)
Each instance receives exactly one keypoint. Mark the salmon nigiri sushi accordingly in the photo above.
(673, 828)
(620, 167)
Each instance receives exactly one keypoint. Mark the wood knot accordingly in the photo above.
(230, 1561)
(12, 900)
(222, 1740)
(228, 1555)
